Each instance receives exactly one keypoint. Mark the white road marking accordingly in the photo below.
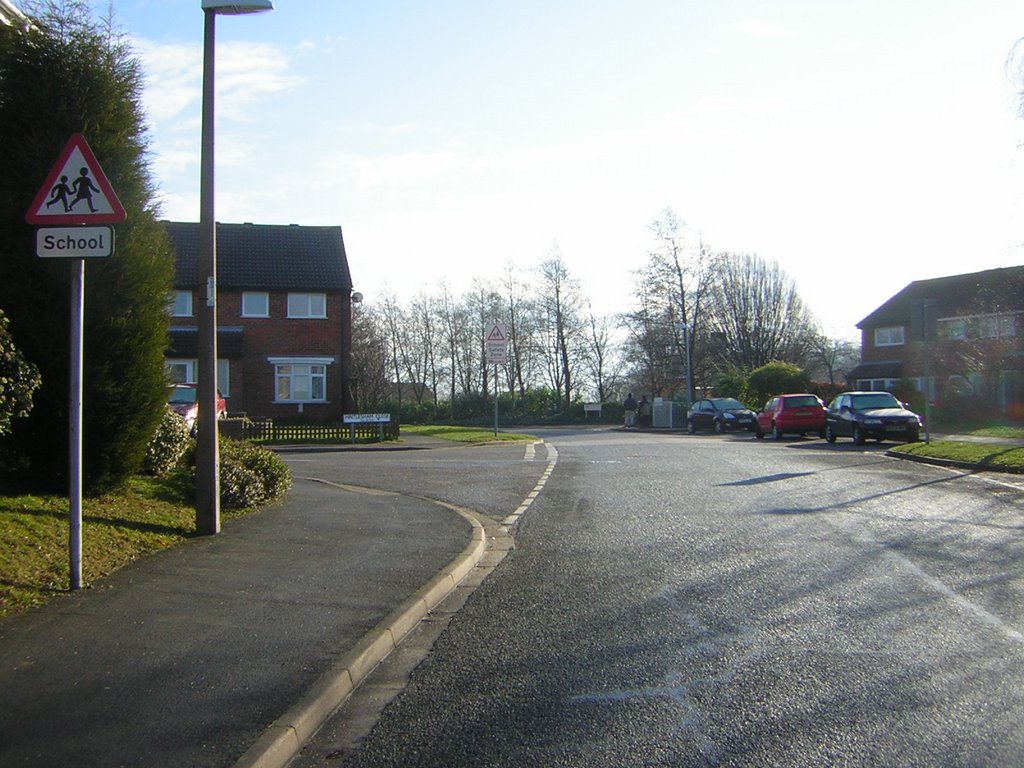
(521, 509)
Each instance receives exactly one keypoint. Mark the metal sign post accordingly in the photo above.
(75, 423)
(497, 352)
(77, 205)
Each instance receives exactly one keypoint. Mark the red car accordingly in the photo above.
(796, 414)
(182, 400)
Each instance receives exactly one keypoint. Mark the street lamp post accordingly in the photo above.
(689, 381)
(207, 454)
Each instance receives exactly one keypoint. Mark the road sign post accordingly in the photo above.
(496, 342)
(75, 195)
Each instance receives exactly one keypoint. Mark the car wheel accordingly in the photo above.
(858, 435)
(821, 433)
(758, 433)
(776, 432)
(719, 427)
(829, 434)
(691, 427)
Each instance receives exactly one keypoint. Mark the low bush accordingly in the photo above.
(168, 446)
(250, 475)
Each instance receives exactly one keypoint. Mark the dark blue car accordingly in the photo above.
(876, 415)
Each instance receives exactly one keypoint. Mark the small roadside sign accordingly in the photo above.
(497, 344)
(74, 242)
(76, 192)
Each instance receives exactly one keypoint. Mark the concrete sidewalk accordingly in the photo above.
(227, 650)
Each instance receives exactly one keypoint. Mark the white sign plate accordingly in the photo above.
(366, 418)
(74, 242)
(496, 343)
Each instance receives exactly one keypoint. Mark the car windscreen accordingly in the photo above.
(728, 404)
(875, 400)
(801, 402)
(185, 395)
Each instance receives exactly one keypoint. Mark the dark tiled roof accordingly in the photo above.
(993, 290)
(265, 257)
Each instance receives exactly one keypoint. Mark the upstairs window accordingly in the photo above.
(889, 336)
(956, 330)
(180, 304)
(995, 326)
(307, 305)
(255, 304)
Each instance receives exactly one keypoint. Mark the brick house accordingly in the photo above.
(975, 348)
(284, 309)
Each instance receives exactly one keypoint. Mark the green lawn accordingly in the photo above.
(998, 456)
(465, 434)
(145, 516)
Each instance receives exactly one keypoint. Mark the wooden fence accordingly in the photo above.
(265, 430)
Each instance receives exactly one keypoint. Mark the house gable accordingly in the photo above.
(287, 352)
(976, 351)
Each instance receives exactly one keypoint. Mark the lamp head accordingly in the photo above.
(239, 6)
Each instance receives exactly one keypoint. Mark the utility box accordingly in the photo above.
(661, 413)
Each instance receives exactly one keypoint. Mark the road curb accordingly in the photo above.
(283, 739)
(953, 463)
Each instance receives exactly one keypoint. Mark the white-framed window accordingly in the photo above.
(956, 329)
(995, 326)
(307, 305)
(876, 385)
(889, 336)
(300, 379)
(255, 304)
(181, 371)
(180, 304)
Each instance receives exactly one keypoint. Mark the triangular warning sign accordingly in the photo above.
(497, 333)
(76, 191)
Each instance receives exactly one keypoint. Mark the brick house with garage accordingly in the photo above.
(973, 355)
(284, 310)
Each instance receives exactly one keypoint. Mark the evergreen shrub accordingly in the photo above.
(250, 474)
(168, 446)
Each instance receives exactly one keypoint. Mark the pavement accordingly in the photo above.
(231, 650)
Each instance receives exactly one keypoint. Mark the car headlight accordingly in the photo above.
(728, 416)
(873, 422)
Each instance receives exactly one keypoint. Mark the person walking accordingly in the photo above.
(630, 409)
(643, 412)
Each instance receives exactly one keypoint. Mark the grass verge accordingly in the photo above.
(145, 516)
(466, 434)
(997, 456)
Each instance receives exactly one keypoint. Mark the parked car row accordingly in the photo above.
(858, 415)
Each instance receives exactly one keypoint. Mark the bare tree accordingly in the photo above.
(420, 358)
(520, 318)
(598, 352)
(560, 299)
(757, 315)
(485, 307)
(672, 289)
(454, 321)
(829, 357)
(370, 360)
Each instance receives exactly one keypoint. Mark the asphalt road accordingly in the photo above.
(701, 600)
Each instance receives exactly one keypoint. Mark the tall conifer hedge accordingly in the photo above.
(70, 74)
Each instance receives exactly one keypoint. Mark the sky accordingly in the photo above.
(860, 144)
